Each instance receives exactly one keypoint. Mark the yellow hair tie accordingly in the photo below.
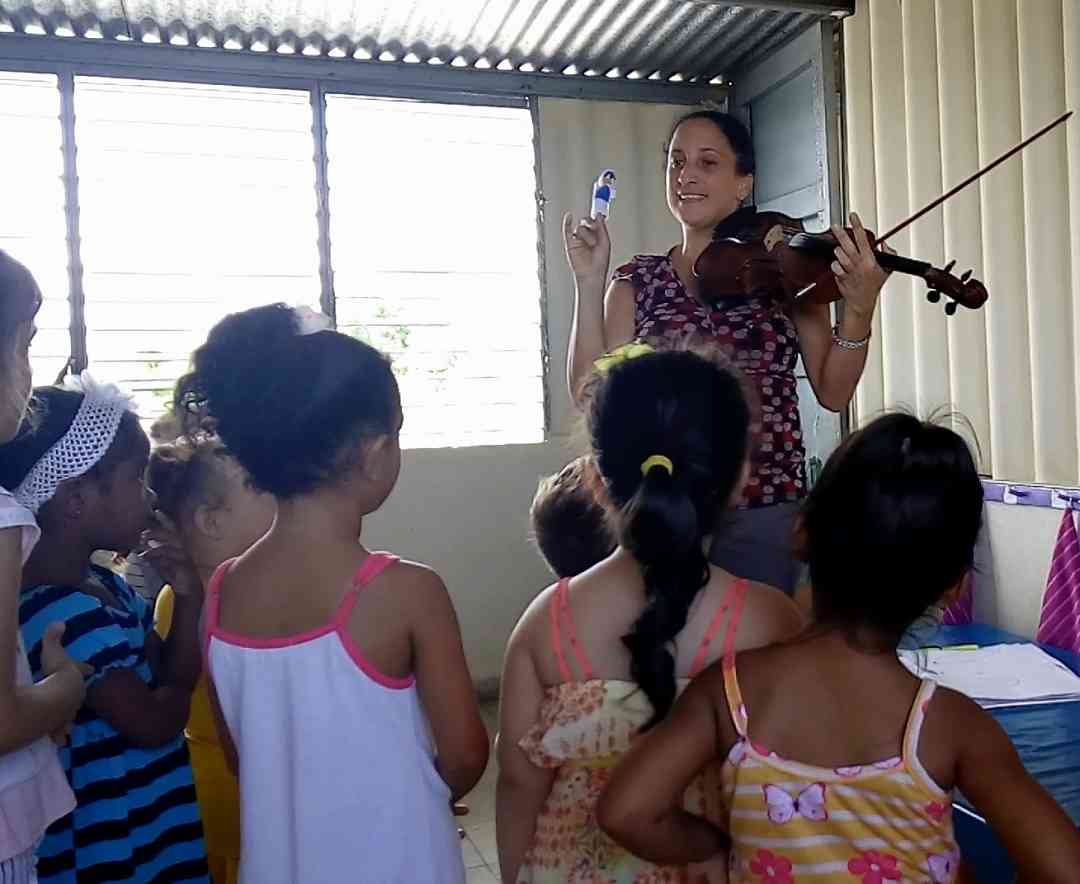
(620, 355)
(657, 460)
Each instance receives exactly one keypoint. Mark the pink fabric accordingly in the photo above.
(373, 566)
(962, 611)
(1059, 624)
(734, 596)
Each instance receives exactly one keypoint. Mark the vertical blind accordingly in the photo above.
(934, 90)
(434, 235)
(32, 224)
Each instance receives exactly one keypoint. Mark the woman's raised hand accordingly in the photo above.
(588, 248)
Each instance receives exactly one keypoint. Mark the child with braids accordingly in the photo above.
(599, 658)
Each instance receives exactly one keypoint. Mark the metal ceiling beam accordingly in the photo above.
(392, 79)
(821, 7)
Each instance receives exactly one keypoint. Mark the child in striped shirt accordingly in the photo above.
(79, 467)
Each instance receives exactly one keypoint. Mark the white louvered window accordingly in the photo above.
(32, 222)
(434, 242)
(196, 201)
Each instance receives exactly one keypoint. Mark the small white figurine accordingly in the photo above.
(603, 193)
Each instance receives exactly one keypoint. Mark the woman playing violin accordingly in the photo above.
(710, 173)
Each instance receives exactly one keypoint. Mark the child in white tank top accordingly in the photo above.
(34, 791)
(338, 674)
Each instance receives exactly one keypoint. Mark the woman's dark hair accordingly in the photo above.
(737, 135)
(290, 407)
(891, 524)
(54, 411)
(691, 410)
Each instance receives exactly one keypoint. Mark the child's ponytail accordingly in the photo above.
(670, 435)
(662, 529)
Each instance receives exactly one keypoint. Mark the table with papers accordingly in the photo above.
(1037, 705)
(1004, 675)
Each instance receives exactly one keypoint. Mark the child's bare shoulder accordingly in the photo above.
(769, 616)
(534, 622)
(953, 718)
(417, 574)
(413, 586)
(955, 726)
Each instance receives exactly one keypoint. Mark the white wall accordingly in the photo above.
(464, 511)
(1010, 588)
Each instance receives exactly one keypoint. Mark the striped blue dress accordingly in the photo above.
(137, 819)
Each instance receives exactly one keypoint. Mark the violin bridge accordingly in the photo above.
(773, 237)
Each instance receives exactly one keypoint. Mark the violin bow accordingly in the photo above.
(1001, 159)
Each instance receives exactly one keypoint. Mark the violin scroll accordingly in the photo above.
(965, 290)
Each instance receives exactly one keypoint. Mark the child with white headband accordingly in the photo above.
(33, 789)
(79, 467)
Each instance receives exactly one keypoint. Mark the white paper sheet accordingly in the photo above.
(998, 675)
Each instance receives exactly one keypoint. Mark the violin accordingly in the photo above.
(774, 255)
(771, 254)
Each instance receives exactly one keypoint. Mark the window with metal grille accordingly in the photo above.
(195, 201)
(434, 241)
(32, 224)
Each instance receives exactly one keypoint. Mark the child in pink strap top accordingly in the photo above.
(599, 658)
(34, 791)
(839, 765)
(338, 673)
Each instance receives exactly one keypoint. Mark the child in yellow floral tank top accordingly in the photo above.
(599, 658)
(839, 765)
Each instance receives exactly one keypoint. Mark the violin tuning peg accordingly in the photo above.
(933, 296)
(966, 276)
(950, 308)
(948, 267)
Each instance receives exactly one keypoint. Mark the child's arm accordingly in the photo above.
(1041, 840)
(522, 787)
(181, 656)
(642, 805)
(152, 717)
(163, 615)
(228, 747)
(444, 683)
(29, 712)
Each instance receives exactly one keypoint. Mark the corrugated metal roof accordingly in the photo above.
(672, 40)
